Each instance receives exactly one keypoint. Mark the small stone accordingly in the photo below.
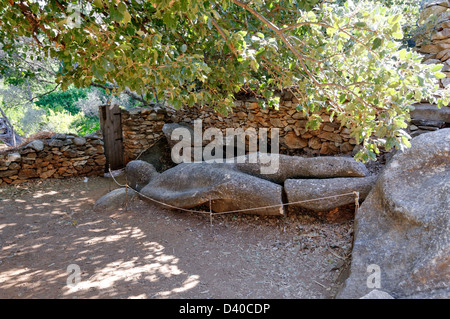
(428, 128)
(13, 157)
(56, 143)
(47, 174)
(328, 128)
(79, 141)
(346, 147)
(445, 82)
(298, 116)
(59, 136)
(276, 122)
(37, 145)
(444, 34)
(293, 141)
(441, 54)
(330, 137)
(328, 148)
(434, 48)
(315, 143)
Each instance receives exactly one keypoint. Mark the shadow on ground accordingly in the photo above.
(146, 251)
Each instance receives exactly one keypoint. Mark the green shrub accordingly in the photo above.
(64, 122)
(63, 100)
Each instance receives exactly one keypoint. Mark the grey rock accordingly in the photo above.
(428, 128)
(403, 226)
(37, 145)
(290, 167)
(430, 112)
(188, 185)
(55, 142)
(13, 157)
(305, 189)
(79, 141)
(377, 294)
(139, 174)
(94, 135)
(59, 136)
(417, 122)
(115, 199)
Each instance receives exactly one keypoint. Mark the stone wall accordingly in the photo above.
(143, 127)
(60, 156)
(434, 39)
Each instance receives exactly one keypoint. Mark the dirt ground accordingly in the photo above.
(145, 251)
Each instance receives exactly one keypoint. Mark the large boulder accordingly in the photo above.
(298, 190)
(188, 185)
(139, 174)
(403, 226)
(291, 167)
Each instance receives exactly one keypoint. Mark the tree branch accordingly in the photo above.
(127, 91)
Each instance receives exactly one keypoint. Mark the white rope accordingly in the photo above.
(356, 194)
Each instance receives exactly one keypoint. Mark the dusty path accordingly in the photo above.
(151, 252)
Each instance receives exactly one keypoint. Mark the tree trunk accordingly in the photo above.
(7, 133)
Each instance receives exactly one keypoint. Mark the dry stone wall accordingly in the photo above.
(60, 156)
(143, 127)
(434, 40)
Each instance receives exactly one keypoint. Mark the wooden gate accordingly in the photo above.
(111, 125)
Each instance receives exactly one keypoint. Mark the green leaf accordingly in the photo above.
(402, 54)
(331, 31)
(376, 43)
(126, 17)
(98, 3)
(395, 19)
(122, 7)
(397, 35)
(439, 75)
(116, 15)
(260, 35)
(437, 67)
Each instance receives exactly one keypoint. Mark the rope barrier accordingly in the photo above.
(354, 193)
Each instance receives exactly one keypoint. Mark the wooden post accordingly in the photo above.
(111, 125)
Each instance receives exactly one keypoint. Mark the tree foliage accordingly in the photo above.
(345, 57)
